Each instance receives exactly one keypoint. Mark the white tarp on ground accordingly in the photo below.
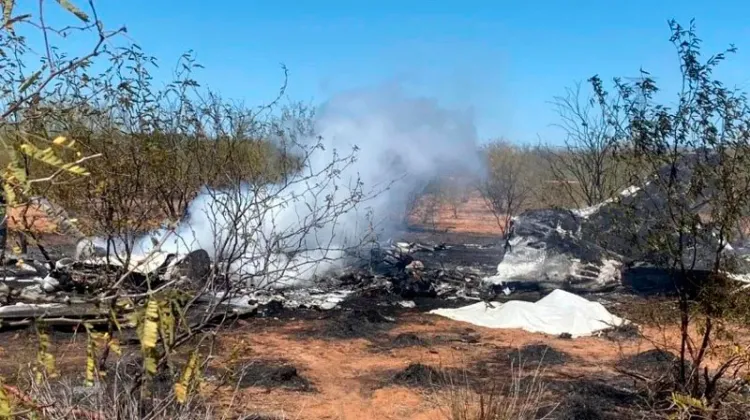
(557, 313)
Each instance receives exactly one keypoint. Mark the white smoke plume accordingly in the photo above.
(402, 142)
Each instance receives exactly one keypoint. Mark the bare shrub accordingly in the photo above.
(696, 155)
(507, 187)
(267, 199)
(585, 166)
(23, 139)
(455, 191)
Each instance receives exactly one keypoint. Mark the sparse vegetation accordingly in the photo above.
(508, 185)
(156, 150)
(93, 136)
(519, 397)
(696, 158)
(585, 168)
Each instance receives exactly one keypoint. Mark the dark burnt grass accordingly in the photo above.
(410, 339)
(655, 364)
(269, 374)
(529, 357)
(627, 332)
(367, 323)
(597, 398)
(418, 375)
(538, 353)
(262, 417)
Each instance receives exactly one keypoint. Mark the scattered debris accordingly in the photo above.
(592, 249)
(391, 270)
(409, 304)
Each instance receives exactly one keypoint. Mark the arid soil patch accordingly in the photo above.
(308, 367)
(468, 216)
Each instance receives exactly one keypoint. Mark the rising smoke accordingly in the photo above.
(286, 235)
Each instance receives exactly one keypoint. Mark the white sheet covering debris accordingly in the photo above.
(557, 313)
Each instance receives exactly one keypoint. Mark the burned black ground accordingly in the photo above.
(410, 339)
(346, 324)
(423, 376)
(529, 358)
(654, 363)
(605, 398)
(269, 373)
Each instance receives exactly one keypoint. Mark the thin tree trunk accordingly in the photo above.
(3, 227)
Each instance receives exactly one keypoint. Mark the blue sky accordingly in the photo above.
(504, 60)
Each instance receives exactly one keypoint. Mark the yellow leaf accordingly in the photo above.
(48, 156)
(73, 9)
(28, 82)
(7, 10)
(150, 325)
(10, 195)
(150, 362)
(114, 345)
(45, 359)
(686, 401)
(186, 379)
(5, 403)
(180, 392)
(59, 141)
(90, 369)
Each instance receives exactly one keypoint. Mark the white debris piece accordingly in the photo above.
(627, 192)
(586, 212)
(742, 278)
(409, 304)
(10, 308)
(49, 284)
(529, 264)
(143, 264)
(290, 299)
(557, 313)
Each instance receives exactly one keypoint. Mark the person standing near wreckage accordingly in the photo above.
(508, 234)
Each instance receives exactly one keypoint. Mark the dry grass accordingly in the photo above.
(112, 398)
(521, 398)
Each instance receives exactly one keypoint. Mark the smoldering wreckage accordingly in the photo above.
(573, 254)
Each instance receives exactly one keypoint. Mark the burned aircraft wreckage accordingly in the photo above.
(591, 250)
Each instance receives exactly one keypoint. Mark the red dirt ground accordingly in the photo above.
(350, 375)
(30, 217)
(471, 216)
